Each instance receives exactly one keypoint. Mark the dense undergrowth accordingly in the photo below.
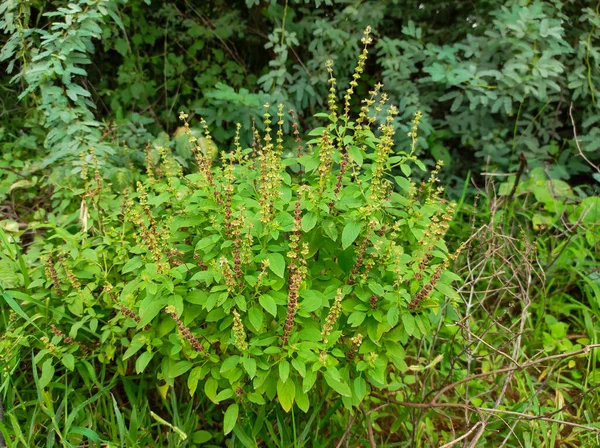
(301, 257)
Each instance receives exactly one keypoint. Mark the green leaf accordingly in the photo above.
(309, 381)
(376, 288)
(317, 131)
(335, 381)
(356, 318)
(403, 183)
(230, 419)
(69, 361)
(136, 344)
(308, 222)
(445, 289)
(256, 398)
(149, 309)
(249, 366)
(302, 401)
(286, 392)
(330, 229)
(409, 323)
(243, 437)
(392, 315)
(284, 370)
(356, 155)
(203, 276)
(312, 300)
(132, 265)
(255, 316)
(268, 304)
(277, 264)
(230, 363)
(47, 373)
(210, 389)
(350, 233)
(193, 379)
(142, 361)
(179, 368)
(360, 388)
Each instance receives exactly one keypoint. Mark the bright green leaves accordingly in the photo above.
(309, 221)
(286, 392)
(336, 382)
(330, 229)
(276, 263)
(268, 303)
(356, 155)
(210, 389)
(392, 315)
(249, 366)
(47, 373)
(409, 323)
(142, 361)
(193, 379)
(350, 233)
(230, 418)
(360, 388)
(284, 370)
(256, 317)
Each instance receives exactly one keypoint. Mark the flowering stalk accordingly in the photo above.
(424, 293)
(325, 160)
(373, 301)
(384, 148)
(57, 332)
(185, 331)
(340, 177)
(363, 116)
(270, 173)
(333, 315)
(228, 274)
(149, 234)
(238, 331)
(332, 97)
(73, 280)
(204, 161)
(297, 268)
(51, 274)
(296, 134)
(228, 189)
(366, 40)
(356, 342)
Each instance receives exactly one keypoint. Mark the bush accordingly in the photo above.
(261, 276)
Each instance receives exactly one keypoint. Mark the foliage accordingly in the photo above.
(492, 80)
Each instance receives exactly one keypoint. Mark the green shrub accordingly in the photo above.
(261, 276)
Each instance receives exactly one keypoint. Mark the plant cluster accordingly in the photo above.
(257, 276)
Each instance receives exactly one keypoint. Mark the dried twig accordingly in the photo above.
(597, 168)
(443, 390)
(464, 436)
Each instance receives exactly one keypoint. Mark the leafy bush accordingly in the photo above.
(262, 276)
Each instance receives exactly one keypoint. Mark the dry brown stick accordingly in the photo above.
(350, 423)
(577, 141)
(493, 411)
(585, 349)
(369, 427)
(464, 436)
(522, 166)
